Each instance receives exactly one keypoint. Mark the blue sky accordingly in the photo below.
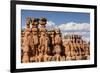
(66, 21)
(57, 17)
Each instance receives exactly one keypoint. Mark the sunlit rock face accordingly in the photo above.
(38, 44)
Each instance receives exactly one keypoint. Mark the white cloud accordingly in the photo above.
(82, 29)
(74, 26)
(87, 39)
(83, 33)
(50, 25)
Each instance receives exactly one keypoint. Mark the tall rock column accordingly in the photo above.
(26, 42)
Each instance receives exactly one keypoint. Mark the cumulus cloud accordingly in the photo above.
(87, 39)
(83, 33)
(71, 28)
(50, 25)
(74, 26)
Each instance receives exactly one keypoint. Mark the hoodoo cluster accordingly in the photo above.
(39, 44)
